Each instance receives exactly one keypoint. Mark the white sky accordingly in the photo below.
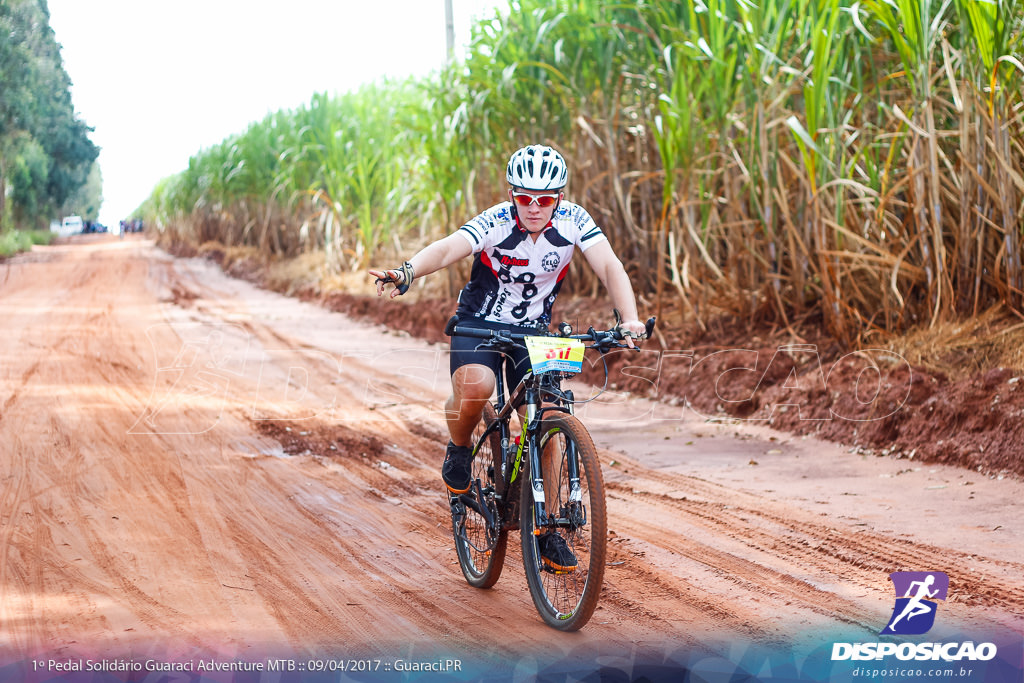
(160, 80)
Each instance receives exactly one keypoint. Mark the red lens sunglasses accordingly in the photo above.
(544, 201)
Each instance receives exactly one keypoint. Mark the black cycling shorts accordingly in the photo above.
(464, 351)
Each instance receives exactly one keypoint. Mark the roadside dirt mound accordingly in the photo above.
(872, 400)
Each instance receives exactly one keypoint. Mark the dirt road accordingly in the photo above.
(193, 469)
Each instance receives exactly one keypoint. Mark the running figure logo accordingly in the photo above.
(915, 608)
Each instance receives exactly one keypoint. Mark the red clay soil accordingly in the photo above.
(873, 400)
(193, 468)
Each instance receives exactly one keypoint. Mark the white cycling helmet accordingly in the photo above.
(537, 167)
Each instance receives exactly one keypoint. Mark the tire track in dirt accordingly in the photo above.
(101, 536)
(30, 517)
(799, 547)
(25, 377)
(20, 614)
(667, 601)
(75, 483)
(421, 495)
(867, 554)
(756, 577)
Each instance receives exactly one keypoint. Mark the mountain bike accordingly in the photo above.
(507, 489)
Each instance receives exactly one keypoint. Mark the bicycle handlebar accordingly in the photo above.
(602, 339)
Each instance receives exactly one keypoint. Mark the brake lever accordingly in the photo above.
(605, 341)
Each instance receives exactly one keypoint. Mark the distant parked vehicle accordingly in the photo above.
(71, 225)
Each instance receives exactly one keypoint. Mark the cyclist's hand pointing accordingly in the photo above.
(401, 278)
(382, 277)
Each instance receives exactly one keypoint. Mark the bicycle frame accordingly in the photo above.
(529, 393)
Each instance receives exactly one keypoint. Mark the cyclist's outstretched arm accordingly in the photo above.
(431, 258)
(609, 270)
(441, 254)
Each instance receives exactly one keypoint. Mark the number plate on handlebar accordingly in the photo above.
(554, 353)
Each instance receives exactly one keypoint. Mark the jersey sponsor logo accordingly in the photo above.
(499, 306)
(550, 261)
(509, 261)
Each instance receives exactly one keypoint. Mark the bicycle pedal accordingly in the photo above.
(558, 572)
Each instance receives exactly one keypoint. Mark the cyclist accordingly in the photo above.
(522, 250)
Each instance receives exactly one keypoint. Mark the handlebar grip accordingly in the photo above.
(619, 335)
(453, 329)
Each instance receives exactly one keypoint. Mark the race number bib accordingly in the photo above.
(555, 353)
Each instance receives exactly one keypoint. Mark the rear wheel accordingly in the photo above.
(567, 599)
(480, 539)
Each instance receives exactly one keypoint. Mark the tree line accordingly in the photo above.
(47, 161)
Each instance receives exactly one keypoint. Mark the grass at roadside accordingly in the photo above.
(17, 241)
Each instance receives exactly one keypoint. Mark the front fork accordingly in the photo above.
(569, 515)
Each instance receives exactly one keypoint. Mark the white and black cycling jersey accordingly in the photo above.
(514, 279)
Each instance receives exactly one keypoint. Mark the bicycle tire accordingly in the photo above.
(567, 600)
(481, 546)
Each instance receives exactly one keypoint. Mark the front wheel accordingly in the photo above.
(574, 490)
(480, 539)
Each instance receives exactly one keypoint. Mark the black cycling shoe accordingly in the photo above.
(457, 471)
(555, 552)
